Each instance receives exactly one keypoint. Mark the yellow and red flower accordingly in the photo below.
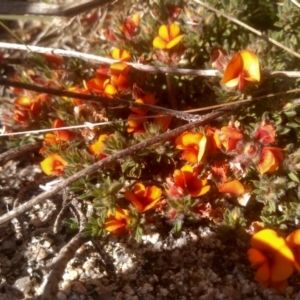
(119, 76)
(59, 135)
(131, 26)
(53, 164)
(193, 145)
(272, 258)
(144, 198)
(120, 54)
(136, 123)
(117, 222)
(98, 147)
(229, 137)
(168, 37)
(241, 69)
(270, 160)
(186, 182)
(265, 132)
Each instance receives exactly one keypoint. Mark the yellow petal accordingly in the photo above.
(174, 31)
(163, 32)
(202, 147)
(159, 43)
(251, 65)
(174, 42)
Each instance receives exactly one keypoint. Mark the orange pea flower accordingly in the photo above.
(220, 170)
(270, 160)
(117, 223)
(234, 187)
(168, 37)
(120, 54)
(293, 241)
(186, 182)
(131, 25)
(28, 103)
(265, 132)
(193, 145)
(119, 76)
(144, 99)
(272, 258)
(53, 164)
(98, 147)
(242, 68)
(213, 137)
(144, 198)
(61, 135)
(229, 137)
(135, 124)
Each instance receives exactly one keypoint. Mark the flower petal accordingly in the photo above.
(174, 31)
(256, 257)
(251, 66)
(163, 32)
(159, 43)
(233, 70)
(130, 196)
(174, 41)
(232, 187)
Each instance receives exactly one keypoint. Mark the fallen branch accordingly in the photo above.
(66, 10)
(140, 67)
(126, 152)
(60, 263)
(18, 151)
(107, 102)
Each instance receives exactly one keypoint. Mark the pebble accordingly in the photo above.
(23, 284)
(66, 286)
(71, 274)
(78, 287)
(61, 296)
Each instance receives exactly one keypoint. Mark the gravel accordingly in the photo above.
(197, 264)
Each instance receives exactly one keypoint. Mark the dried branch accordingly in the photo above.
(66, 10)
(140, 67)
(18, 151)
(108, 102)
(105, 60)
(60, 263)
(129, 151)
(242, 24)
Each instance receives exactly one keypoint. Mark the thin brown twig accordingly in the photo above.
(108, 102)
(242, 24)
(65, 10)
(18, 151)
(126, 152)
(144, 68)
(242, 101)
(60, 263)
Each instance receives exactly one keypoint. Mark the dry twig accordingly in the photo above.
(66, 10)
(18, 151)
(108, 102)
